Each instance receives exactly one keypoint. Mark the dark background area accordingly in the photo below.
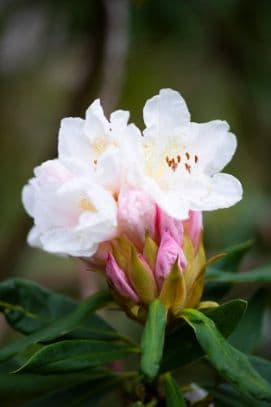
(57, 56)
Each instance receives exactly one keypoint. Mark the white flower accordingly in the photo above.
(72, 214)
(182, 160)
(98, 147)
(108, 178)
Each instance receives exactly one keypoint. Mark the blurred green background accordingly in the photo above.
(57, 56)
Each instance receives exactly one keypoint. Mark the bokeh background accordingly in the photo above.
(57, 56)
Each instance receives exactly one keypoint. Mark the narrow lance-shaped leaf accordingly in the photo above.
(233, 365)
(74, 356)
(248, 334)
(174, 397)
(152, 341)
(60, 326)
(28, 307)
(262, 366)
(230, 262)
(181, 346)
(226, 395)
(28, 384)
(258, 275)
(233, 257)
(84, 394)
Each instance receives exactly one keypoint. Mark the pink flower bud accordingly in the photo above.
(118, 280)
(193, 226)
(136, 212)
(168, 252)
(165, 223)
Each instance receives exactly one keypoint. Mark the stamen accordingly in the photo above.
(187, 156)
(175, 165)
(188, 167)
(179, 158)
(196, 159)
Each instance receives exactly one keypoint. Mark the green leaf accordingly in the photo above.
(234, 255)
(27, 385)
(258, 275)
(248, 334)
(233, 365)
(231, 263)
(74, 356)
(152, 341)
(181, 346)
(84, 394)
(174, 397)
(60, 326)
(29, 307)
(263, 366)
(226, 396)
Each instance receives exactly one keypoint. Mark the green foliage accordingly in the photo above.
(233, 365)
(181, 347)
(66, 350)
(248, 334)
(230, 262)
(60, 326)
(84, 394)
(258, 275)
(28, 307)
(152, 341)
(233, 257)
(74, 356)
(174, 397)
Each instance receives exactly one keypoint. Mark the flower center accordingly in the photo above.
(188, 160)
(86, 205)
(99, 146)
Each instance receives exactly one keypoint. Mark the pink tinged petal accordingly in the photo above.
(118, 280)
(165, 223)
(168, 252)
(135, 214)
(194, 227)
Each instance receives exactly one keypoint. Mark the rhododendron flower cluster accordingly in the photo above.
(130, 202)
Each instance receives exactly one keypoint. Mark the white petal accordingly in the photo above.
(33, 237)
(119, 118)
(63, 241)
(214, 145)
(94, 128)
(165, 112)
(220, 191)
(171, 201)
(28, 198)
(174, 205)
(109, 170)
(73, 144)
(96, 110)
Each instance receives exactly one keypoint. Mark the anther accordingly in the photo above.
(187, 156)
(196, 159)
(188, 167)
